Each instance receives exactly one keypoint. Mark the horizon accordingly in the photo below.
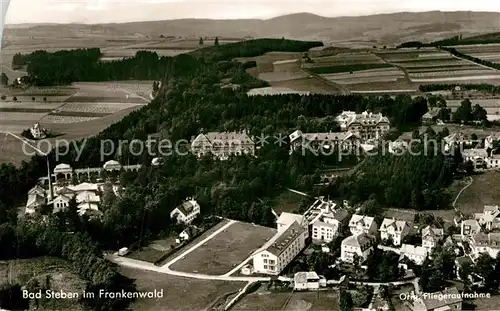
(239, 19)
(113, 11)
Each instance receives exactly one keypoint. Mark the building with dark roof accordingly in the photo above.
(186, 212)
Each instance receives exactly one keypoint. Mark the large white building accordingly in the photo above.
(490, 217)
(362, 224)
(417, 254)
(431, 236)
(326, 227)
(280, 250)
(222, 145)
(186, 212)
(360, 246)
(366, 125)
(322, 142)
(286, 219)
(486, 243)
(394, 229)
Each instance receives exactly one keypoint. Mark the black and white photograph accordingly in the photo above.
(181, 155)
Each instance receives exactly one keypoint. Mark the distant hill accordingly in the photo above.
(486, 37)
(382, 28)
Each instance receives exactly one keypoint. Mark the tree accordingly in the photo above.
(201, 41)
(45, 99)
(479, 113)
(4, 80)
(216, 42)
(4, 97)
(345, 300)
(14, 98)
(33, 98)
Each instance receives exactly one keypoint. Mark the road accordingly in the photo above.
(459, 193)
(142, 265)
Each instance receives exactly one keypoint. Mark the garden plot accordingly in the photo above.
(488, 52)
(94, 108)
(367, 76)
(226, 250)
(66, 119)
(21, 106)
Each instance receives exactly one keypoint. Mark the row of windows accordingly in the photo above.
(269, 267)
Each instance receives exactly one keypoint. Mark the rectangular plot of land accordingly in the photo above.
(226, 250)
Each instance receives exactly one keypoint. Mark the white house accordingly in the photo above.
(61, 202)
(223, 144)
(476, 156)
(286, 219)
(362, 224)
(186, 212)
(326, 228)
(417, 254)
(469, 227)
(490, 217)
(35, 201)
(366, 125)
(280, 250)
(493, 161)
(431, 236)
(87, 196)
(394, 229)
(486, 243)
(360, 245)
(306, 281)
(37, 131)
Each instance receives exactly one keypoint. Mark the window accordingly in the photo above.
(265, 267)
(265, 260)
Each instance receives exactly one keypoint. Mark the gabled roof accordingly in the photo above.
(362, 241)
(365, 221)
(399, 225)
(288, 218)
(432, 232)
(35, 199)
(187, 207)
(37, 189)
(84, 187)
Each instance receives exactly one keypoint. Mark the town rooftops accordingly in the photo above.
(365, 221)
(475, 153)
(491, 239)
(229, 138)
(362, 241)
(441, 299)
(432, 231)
(84, 187)
(409, 249)
(280, 242)
(365, 118)
(399, 225)
(288, 218)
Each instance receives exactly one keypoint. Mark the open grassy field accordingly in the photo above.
(287, 202)
(180, 294)
(483, 191)
(300, 301)
(226, 250)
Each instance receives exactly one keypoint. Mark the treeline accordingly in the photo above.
(403, 181)
(34, 237)
(471, 58)
(65, 67)
(489, 88)
(456, 40)
(253, 48)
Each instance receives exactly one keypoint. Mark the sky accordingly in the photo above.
(103, 11)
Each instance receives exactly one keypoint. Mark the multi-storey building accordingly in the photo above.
(186, 212)
(359, 246)
(431, 236)
(326, 227)
(489, 218)
(486, 243)
(280, 250)
(394, 229)
(286, 219)
(366, 125)
(362, 224)
(417, 254)
(222, 145)
(326, 142)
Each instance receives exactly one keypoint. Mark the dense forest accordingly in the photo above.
(189, 101)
